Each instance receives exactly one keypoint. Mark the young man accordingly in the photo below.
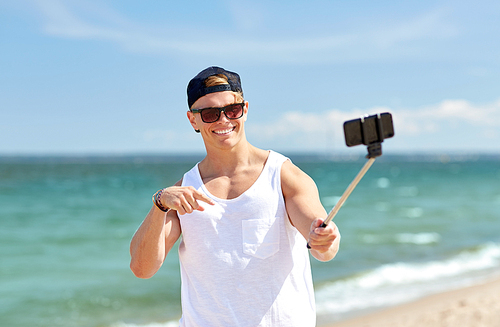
(246, 216)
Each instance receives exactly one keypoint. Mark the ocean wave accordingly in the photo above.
(399, 282)
(418, 238)
(154, 324)
(412, 238)
(414, 212)
(383, 182)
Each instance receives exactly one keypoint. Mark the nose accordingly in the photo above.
(223, 116)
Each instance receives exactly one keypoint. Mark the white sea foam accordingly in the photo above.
(154, 324)
(413, 238)
(415, 212)
(393, 283)
(383, 182)
(418, 238)
(399, 282)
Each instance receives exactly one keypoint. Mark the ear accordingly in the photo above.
(192, 120)
(245, 111)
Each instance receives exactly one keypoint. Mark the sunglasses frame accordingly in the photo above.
(220, 109)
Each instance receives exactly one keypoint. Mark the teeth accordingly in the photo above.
(225, 131)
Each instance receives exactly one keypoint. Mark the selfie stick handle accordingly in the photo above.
(348, 191)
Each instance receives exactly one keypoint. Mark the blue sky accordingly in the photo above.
(109, 77)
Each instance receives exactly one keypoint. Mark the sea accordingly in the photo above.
(416, 224)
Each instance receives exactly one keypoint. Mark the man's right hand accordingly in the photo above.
(184, 199)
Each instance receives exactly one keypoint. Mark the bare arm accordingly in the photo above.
(152, 241)
(306, 212)
(159, 231)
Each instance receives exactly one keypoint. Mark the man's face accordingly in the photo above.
(223, 132)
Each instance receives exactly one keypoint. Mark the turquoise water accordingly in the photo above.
(412, 226)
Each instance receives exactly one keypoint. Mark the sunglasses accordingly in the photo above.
(211, 115)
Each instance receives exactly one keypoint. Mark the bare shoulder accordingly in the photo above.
(294, 180)
(260, 155)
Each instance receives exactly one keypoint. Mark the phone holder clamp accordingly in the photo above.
(375, 147)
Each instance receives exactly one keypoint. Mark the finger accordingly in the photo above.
(315, 225)
(323, 229)
(318, 222)
(187, 206)
(202, 197)
(190, 203)
(196, 205)
(331, 229)
(314, 238)
(314, 241)
(317, 245)
(190, 208)
(321, 226)
(180, 210)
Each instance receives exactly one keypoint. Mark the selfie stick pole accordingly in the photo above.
(374, 150)
(348, 191)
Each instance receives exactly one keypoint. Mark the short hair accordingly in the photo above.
(220, 79)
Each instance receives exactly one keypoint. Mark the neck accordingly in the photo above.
(224, 161)
(232, 162)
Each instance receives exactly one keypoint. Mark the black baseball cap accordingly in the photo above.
(196, 87)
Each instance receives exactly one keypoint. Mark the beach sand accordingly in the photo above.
(475, 306)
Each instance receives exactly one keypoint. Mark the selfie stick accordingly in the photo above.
(374, 150)
(348, 191)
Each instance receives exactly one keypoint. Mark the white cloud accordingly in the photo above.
(450, 124)
(448, 113)
(88, 20)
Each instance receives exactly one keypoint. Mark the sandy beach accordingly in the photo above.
(475, 306)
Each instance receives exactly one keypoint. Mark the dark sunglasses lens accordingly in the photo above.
(234, 111)
(210, 115)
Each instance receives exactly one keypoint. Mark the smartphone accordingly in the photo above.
(369, 129)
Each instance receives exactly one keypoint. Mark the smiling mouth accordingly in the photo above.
(224, 131)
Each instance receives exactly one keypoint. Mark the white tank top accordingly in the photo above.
(242, 262)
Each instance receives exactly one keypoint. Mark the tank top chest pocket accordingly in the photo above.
(261, 237)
